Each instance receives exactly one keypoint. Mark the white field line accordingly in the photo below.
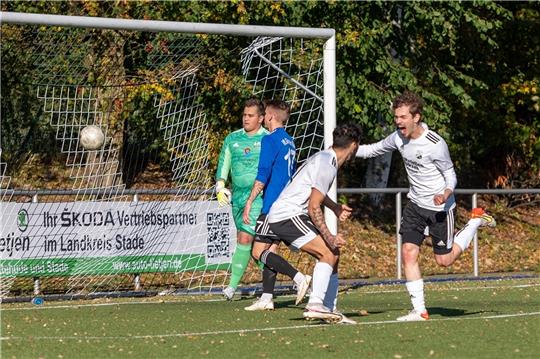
(77, 306)
(427, 286)
(255, 330)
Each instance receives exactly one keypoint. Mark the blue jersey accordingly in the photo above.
(276, 165)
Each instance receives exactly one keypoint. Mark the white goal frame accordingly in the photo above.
(329, 52)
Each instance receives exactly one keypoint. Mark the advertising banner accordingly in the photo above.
(94, 238)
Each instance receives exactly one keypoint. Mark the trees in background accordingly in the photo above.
(474, 63)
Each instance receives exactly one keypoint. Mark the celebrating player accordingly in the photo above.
(239, 156)
(276, 166)
(297, 219)
(432, 181)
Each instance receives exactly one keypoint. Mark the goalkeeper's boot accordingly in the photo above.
(414, 316)
(228, 293)
(302, 289)
(487, 220)
(261, 305)
(319, 311)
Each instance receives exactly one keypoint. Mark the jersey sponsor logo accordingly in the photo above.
(419, 155)
(412, 165)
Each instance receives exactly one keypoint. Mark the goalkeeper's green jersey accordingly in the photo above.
(240, 156)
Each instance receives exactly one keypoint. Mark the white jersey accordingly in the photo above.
(319, 172)
(427, 161)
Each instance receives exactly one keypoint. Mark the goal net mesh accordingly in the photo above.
(139, 213)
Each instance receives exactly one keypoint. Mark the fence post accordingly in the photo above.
(37, 284)
(137, 277)
(475, 239)
(398, 236)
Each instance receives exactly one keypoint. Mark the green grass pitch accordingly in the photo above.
(485, 319)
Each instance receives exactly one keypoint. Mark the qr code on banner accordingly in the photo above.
(218, 235)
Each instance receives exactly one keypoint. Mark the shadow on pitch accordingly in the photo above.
(453, 312)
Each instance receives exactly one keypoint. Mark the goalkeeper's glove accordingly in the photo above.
(223, 194)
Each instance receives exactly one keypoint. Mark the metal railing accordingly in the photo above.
(34, 194)
(398, 204)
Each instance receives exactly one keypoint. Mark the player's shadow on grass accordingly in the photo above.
(288, 304)
(352, 315)
(453, 312)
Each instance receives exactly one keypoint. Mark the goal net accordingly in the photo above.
(137, 214)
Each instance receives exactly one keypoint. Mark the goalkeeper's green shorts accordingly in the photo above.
(253, 215)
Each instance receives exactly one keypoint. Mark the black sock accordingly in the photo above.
(269, 280)
(278, 264)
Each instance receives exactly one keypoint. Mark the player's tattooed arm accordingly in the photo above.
(255, 190)
(316, 214)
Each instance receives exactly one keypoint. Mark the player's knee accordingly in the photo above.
(255, 256)
(329, 257)
(256, 252)
(409, 254)
(245, 239)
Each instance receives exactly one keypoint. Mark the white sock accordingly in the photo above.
(321, 277)
(299, 278)
(267, 297)
(330, 299)
(416, 292)
(464, 237)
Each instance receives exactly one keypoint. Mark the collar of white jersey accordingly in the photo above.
(426, 130)
(333, 154)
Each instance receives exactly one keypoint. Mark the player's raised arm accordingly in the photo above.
(378, 148)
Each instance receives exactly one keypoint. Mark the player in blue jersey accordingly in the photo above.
(277, 164)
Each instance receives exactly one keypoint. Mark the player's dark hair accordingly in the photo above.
(254, 102)
(408, 98)
(282, 107)
(346, 134)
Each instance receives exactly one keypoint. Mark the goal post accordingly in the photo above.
(118, 74)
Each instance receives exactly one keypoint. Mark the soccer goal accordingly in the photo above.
(134, 112)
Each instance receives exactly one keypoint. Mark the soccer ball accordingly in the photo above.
(91, 138)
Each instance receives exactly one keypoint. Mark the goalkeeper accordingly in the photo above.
(239, 156)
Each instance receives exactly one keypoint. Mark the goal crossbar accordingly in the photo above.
(163, 26)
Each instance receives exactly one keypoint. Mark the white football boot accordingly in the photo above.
(319, 311)
(302, 289)
(261, 305)
(414, 316)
